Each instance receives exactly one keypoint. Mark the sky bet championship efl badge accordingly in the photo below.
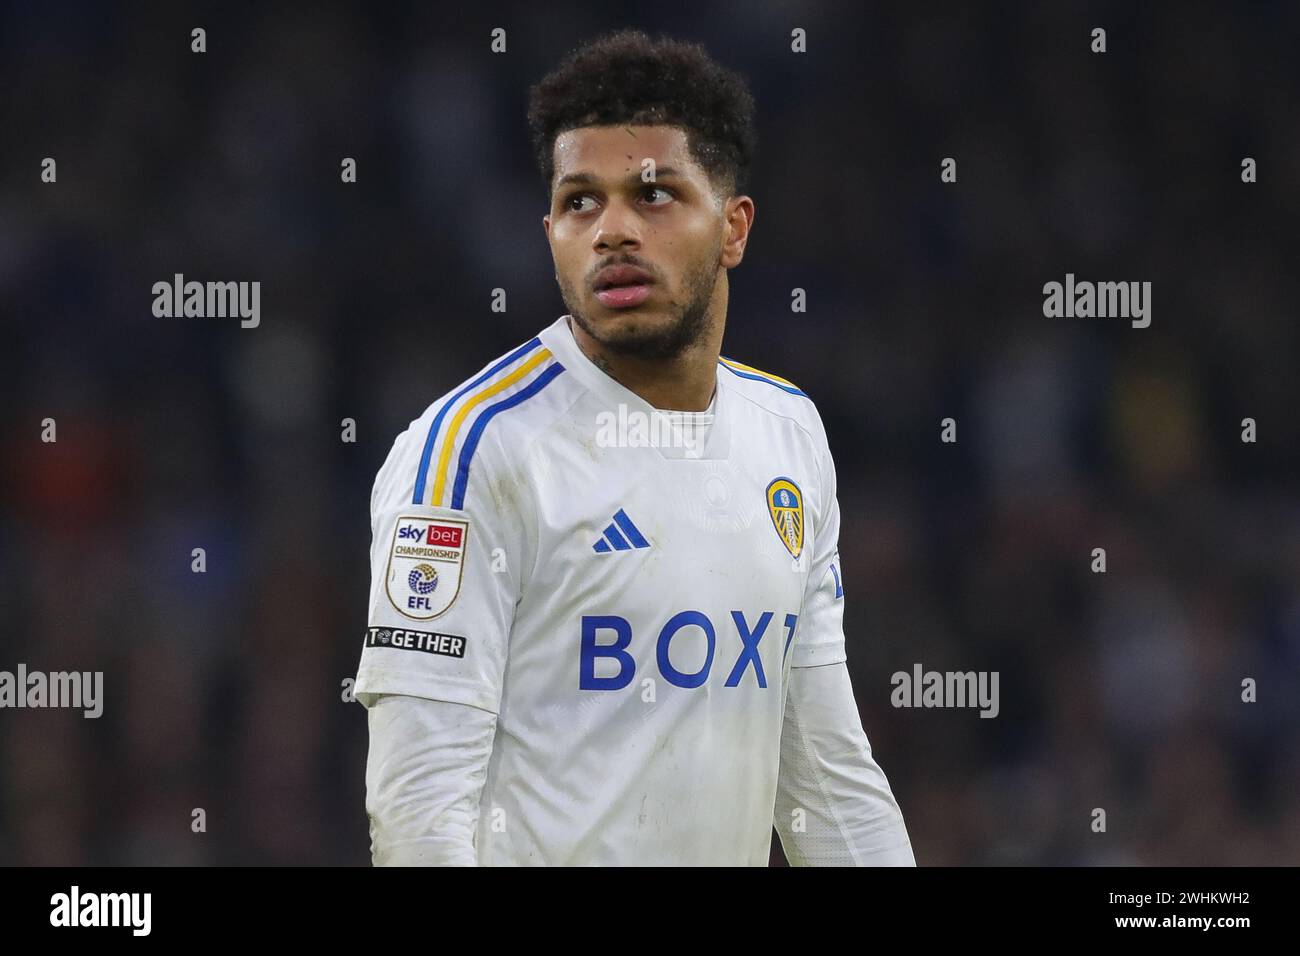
(424, 565)
(785, 505)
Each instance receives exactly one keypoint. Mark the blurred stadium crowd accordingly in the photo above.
(224, 690)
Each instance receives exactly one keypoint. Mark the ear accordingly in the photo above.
(546, 225)
(739, 212)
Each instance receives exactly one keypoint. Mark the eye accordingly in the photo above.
(658, 189)
(568, 202)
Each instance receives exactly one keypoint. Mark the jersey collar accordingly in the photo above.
(558, 337)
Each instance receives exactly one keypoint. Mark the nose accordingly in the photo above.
(616, 229)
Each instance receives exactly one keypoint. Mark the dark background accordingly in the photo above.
(224, 690)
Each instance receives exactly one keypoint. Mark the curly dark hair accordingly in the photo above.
(626, 77)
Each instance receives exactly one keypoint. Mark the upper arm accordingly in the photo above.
(444, 582)
(820, 635)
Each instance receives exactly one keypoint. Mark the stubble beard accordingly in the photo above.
(690, 322)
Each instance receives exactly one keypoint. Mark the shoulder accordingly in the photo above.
(475, 429)
(774, 395)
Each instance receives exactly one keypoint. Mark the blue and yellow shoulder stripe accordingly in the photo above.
(463, 417)
(758, 375)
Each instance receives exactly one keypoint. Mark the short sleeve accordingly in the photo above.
(819, 635)
(443, 586)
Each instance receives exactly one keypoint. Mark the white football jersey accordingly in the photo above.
(627, 589)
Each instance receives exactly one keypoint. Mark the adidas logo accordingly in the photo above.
(621, 535)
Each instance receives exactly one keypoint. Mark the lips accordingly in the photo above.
(622, 287)
(623, 296)
(612, 276)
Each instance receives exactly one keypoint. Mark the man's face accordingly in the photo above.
(673, 228)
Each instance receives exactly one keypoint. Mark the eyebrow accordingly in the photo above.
(586, 179)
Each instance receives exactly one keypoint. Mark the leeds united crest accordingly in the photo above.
(785, 505)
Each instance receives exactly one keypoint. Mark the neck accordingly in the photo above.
(683, 383)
